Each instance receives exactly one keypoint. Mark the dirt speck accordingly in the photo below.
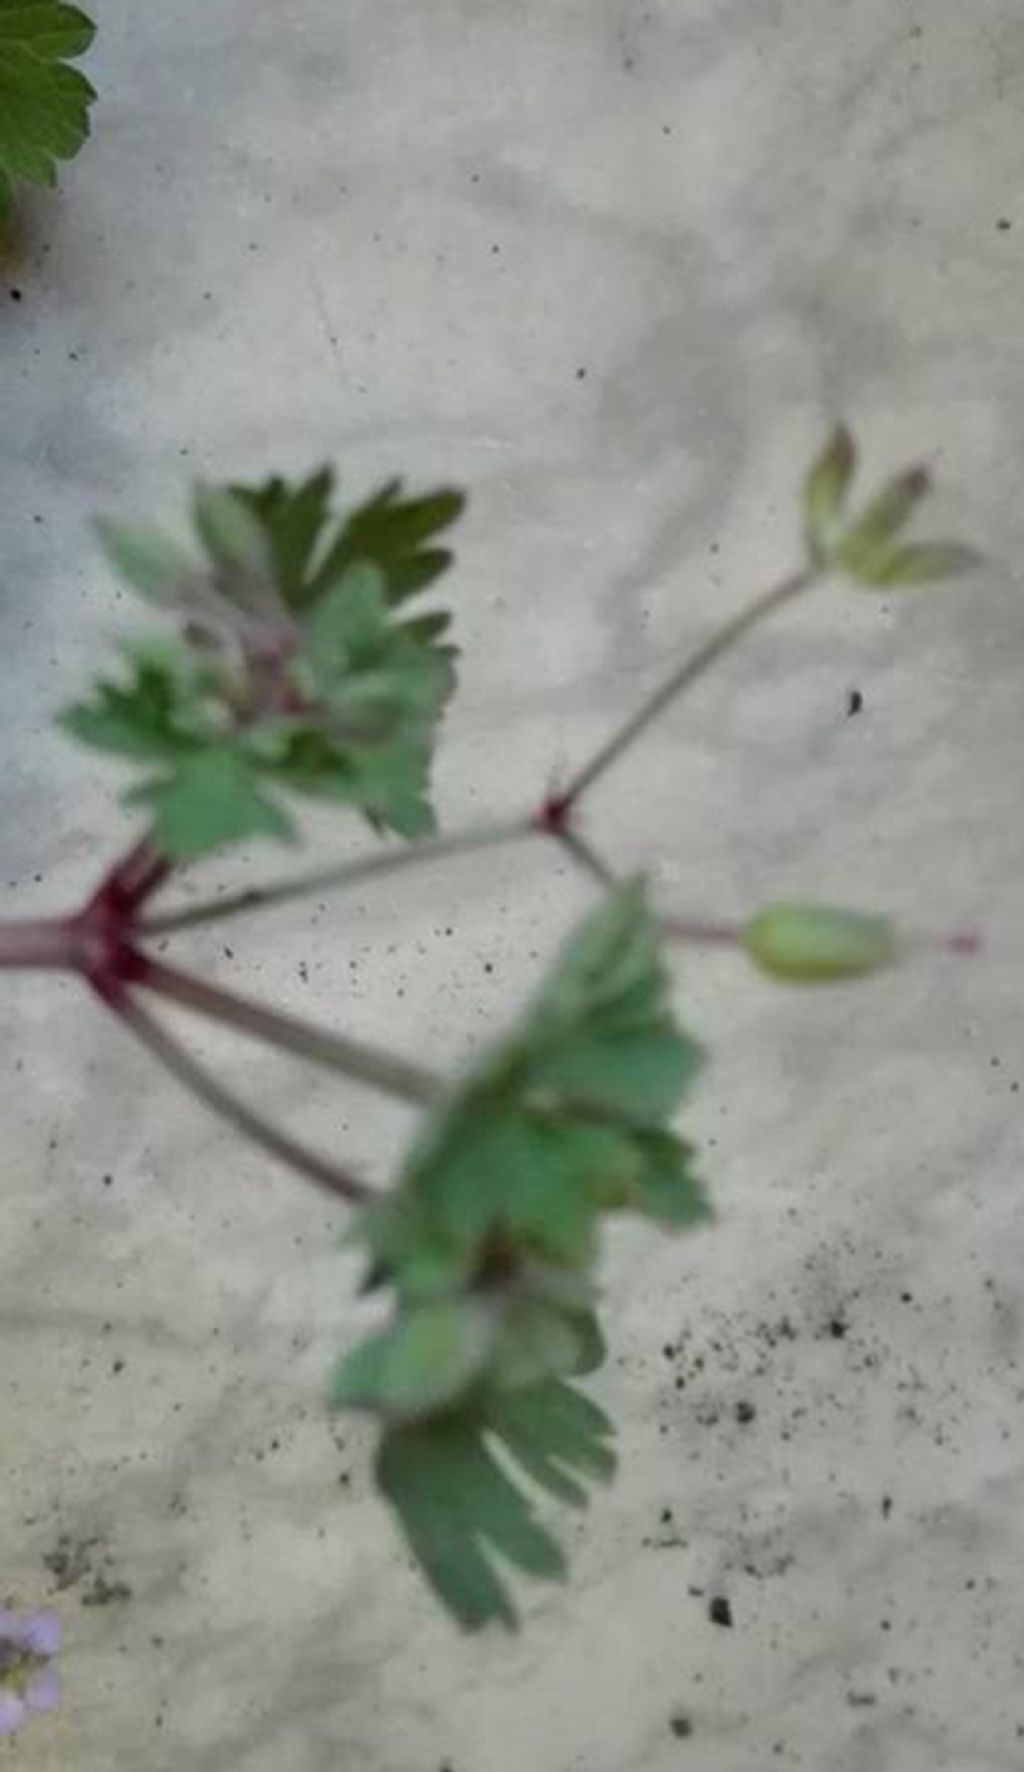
(85, 1563)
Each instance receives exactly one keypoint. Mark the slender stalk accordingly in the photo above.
(585, 855)
(702, 933)
(683, 677)
(366, 1064)
(173, 1056)
(48, 943)
(132, 880)
(352, 873)
(965, 942)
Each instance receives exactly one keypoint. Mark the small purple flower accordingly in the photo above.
(28, 1681)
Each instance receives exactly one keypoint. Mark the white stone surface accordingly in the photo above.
(613, 265)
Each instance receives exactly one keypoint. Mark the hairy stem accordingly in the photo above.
(351, 873)
(366, 1064)
(180, 1063)
(683, 678)
(45, 943)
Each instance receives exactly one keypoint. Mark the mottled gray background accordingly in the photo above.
(614, 266)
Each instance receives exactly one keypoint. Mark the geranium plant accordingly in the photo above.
(291, 657)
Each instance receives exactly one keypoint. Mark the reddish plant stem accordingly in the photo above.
(702, 933)
(963, 941)
(585, 855)
(43, 944)
(198, 1080)
(89, 940)
(348, 873)
(366, 1064)
(126, 887)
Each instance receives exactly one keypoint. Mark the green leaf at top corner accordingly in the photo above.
(44, 103)
(51, 29)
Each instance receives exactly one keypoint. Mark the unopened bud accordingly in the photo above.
(813, 943)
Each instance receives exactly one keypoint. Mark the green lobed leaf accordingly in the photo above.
(347, 622)
(312, 549)
(564, 1121)
(537, 1340)
(391, 532)
(602, 1038)
(462, 1513)
(208, 799)
(297, 522)
(232, 535)
(339, 702)
(50, 30)
(485, 1178)
(420, 1362)
(44, 104)
(497, 1208)
(385, 777)
(158, 713)
(149, 561)
(459, 1511)
(207, 792)
(558, 1421)
(666, 1188)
